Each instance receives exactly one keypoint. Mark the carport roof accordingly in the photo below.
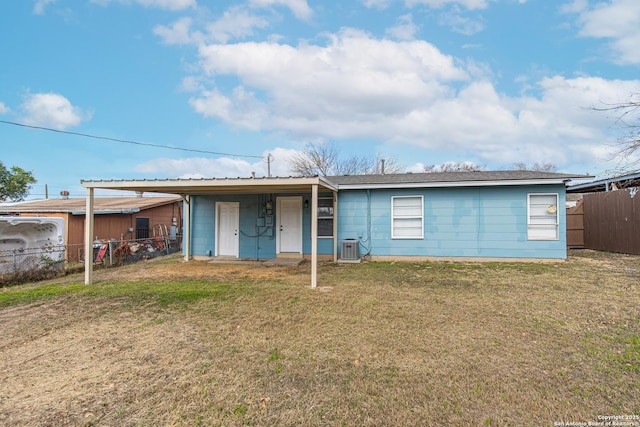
(206, 186)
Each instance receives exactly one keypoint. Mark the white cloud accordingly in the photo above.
(196, 167)
(615, 20)
(576, 6)
(502, 130)
(212, 104)
(4, 109)
(469, 4)
(178, 33)
(300, 8)
(280, 161)
(40, 5)
(168, 4)
(51, 110)
(409, 93)
(459, 23)
(235, 23)
(191, 84)
(378, 4)
(223, 167)
(434, 4)
(405, 29)
(161, 4)
(416, 167)
(350, 79)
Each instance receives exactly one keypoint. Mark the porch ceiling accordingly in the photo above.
(215, 186)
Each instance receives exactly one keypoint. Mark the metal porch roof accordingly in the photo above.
(206, 186)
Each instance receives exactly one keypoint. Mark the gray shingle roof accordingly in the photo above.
(451, 177)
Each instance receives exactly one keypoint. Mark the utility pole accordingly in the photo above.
(269, 159)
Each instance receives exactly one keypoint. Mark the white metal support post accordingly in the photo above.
(314, 235)
(186, 228)
(88, 239)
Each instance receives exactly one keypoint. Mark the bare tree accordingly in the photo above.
(381, 165)
(454, 167)
(537, 166)
(324, 160)
(315, 160)
(628, 119)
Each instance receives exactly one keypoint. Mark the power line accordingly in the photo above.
(126, 141)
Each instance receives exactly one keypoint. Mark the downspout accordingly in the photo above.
(335, 226)
(368, 239)
(479, 221)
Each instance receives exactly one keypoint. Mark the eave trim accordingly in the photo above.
(452, 184)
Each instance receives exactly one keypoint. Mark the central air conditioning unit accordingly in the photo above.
(350, 250)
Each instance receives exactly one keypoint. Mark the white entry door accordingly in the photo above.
(289, 224)
(227, 228)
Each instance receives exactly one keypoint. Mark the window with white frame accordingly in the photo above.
(325, 217)
(543, 219)
(407, 217)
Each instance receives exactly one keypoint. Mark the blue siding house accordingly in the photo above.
(412, 216)
(393, 217)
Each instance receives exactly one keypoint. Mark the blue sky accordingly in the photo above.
(493, 82)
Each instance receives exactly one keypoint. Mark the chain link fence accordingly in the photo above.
(27, 264)
(23, 264)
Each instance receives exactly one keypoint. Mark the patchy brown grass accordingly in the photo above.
(172, 343)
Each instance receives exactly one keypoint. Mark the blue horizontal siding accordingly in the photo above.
(202, 226)
(254, 242)
(458, 222)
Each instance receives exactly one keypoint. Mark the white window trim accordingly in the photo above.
(530, 225)
(332, 217)
(421, 217)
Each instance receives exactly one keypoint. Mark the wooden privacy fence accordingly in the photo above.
(575, 226)
(612, 221)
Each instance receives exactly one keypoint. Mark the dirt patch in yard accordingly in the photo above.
(173, 268)
(172, 343)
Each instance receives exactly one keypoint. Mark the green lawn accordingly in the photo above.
(376, 344)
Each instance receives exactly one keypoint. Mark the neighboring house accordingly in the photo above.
(608, 211)
(463, 215)
(119, 218)
(606, 184)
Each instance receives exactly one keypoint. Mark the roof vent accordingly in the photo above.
(139, 194)
(64, 194)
